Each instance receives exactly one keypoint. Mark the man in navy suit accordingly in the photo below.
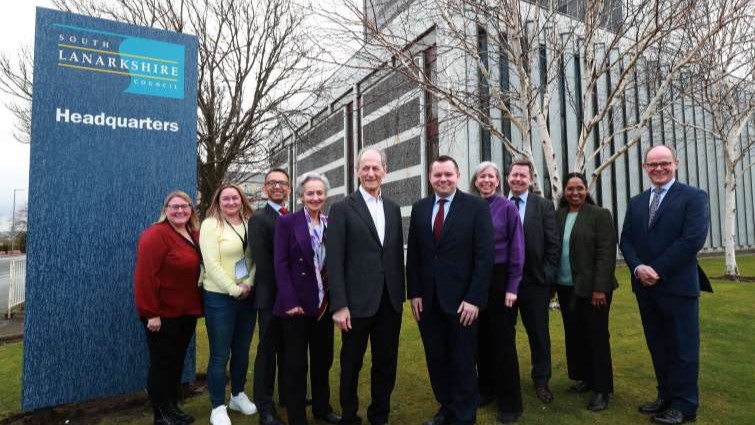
(448, 267)
(664, 229)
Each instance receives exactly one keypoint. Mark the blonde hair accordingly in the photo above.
(193, 223)
(214, 210)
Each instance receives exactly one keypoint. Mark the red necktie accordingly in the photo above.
(438, 223)
(282, 211)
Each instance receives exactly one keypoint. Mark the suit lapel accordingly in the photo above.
(301, 231)
(673, 191)
(426, 209)
(529, 210)
(454, 212)
(388, 212)
(358, 204)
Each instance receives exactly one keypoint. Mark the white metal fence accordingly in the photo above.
(17, 287)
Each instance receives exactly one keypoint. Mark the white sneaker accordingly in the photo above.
(240, 403)
(219, 416)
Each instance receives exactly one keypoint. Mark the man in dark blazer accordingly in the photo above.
(542, 248)
(261, 236)
(664, 229)
(449, 263)
(365, 248)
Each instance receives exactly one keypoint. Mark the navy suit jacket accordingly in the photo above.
(670, 245)
(294, 266)
(459, 266)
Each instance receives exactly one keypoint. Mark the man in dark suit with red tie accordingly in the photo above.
(664, 229)
(449, 262)
(261, 232)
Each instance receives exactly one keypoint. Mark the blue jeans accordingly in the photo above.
(230, 326)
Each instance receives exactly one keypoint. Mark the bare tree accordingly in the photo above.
(253, 63)
(722, 83)
(517, 62)
(15, 81)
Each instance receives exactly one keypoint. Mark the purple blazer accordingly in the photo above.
(294, 266)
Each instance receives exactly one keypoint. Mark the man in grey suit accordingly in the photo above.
(261, 235)
(541, 256)
(365, 246)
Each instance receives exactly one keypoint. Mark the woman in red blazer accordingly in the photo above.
(168, 300)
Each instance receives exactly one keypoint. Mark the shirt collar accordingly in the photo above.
(668, 185)
(523, 196)
(367, 197)
(449, 198)
(277, 207)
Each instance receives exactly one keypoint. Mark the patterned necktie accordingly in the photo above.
(516, 200)
(657, 191)
(438, 223)
(282, 211)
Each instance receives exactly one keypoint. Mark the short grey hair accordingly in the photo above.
(383, 158)
(304, 178)
(480, 168)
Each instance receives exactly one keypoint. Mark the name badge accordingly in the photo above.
(242, 271)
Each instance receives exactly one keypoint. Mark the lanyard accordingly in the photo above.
(243, 240)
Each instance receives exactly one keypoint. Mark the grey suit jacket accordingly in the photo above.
(359, 267)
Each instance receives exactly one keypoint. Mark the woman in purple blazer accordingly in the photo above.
(302, 302)
(497, 360)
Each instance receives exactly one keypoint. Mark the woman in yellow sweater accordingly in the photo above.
(228, 299)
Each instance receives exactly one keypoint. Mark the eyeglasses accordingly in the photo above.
(273, 183)
(654, 165)
(176, 207)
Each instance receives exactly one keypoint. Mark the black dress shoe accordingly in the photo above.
(507, 418)
(179, 414)
(438, 419)
(657, 406)
(544, 394)
(270, 419)
(598, 402)
(356, 420)
(578, 388)
(673, 417)
(163, 416)
(331, 418)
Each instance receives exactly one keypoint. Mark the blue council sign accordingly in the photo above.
(113, 131)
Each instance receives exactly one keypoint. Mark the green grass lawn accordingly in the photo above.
(727, 378)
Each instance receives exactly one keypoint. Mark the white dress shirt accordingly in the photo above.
(375, 207)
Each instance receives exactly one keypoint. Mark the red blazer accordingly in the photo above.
(166, 275)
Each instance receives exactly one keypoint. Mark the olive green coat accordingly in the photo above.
(592, 249)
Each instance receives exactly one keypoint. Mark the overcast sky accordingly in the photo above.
(16, 29)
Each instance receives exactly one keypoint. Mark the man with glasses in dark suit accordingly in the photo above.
(261, 235)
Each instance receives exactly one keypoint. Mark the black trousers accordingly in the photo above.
(450, 352)
(167, 353)
(383, 331)
(588, 347)
(304, 335)
(532, 304)
(497, 361)
(269, 358)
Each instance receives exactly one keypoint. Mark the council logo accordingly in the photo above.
(155, 68)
